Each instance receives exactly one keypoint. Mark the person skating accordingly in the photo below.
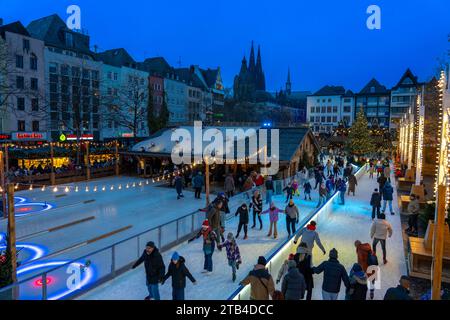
(209, 243)
(292, 217)
(381, 181)
(307, 188)
(387, 193)
(178, 271)
(330, 185)
(295, 188)
(413, 215)
(289, 192)
(371, 170)
(179, 186)
(334, 274)
(233, 254)
(269, 189)
(358, 284)
(379, 232)
(401, 292)
(341, 187)
(284, 268)
(257, 209)
(213, 215)
(375, 202)
(198, 183)
(310, 236)
(261, 282)
(352, 183)
(154, 269)
(323, 192)
(229, 186)
(303, 260)
(366, 258)
(293, 285)
(242, 212)
(273, 212)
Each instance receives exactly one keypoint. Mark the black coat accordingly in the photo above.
(269, 185)
(178, 272)
(154, 266)
(243, 215)
(305, 269)
(398, 293)
(293, 285)
(375, 200)
(334, 273)
(358, 288)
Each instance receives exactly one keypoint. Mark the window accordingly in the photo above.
(347, 109)
(335, 109)
(35, 104)
(69, 39)
(329, 99)
(329, 109)
(323, 119)
(34, 84)
(109, 75)
(311, 119)
(347, 100)
(53, 68)
(33, 62)
(334, 119)
(21, 104)
(95, 75)
(35, 125)
(20, 125)
(26, 44)
(324, 109)
(19, 61)
(115, 75)
(328, 119)
(20, 82)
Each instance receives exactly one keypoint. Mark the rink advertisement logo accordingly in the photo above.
(229, 148)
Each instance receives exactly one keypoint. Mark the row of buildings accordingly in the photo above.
(334, 106)
(53, 84)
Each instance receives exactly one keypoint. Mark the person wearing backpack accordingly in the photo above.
(261, 282)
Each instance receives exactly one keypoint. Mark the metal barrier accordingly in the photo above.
(275, 261)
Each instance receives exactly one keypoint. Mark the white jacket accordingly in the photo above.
(381, 229)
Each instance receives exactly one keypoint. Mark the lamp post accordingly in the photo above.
(418, 189)
(2, 177)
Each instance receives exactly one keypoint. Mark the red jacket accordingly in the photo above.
(363, 253)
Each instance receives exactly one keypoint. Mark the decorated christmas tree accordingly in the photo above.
(360, 141)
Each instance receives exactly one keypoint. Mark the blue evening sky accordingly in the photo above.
(322, 41)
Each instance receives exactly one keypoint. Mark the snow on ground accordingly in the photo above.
(218, 285)
(352, 222)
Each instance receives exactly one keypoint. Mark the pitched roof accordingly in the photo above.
(210, 76)
(407, 75)
(117, 57)
(52, 30)
(190, 78)
(330, 91)
(156, 65)
(14, 27)
(377, 88)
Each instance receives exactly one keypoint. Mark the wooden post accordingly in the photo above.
(52, 165)
(207, 181)
(117, 158)
(438, 243)
(88, 163)
(6, 159)
(2, 177)
(12, 231)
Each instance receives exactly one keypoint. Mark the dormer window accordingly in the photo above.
(372, 89)
(69, 39)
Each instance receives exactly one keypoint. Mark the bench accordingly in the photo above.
(404, 184)
(405, 200)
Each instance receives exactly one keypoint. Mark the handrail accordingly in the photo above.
(282, 246)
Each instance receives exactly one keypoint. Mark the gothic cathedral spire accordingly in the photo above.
(251, 63)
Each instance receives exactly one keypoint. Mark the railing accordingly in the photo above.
(275, 261)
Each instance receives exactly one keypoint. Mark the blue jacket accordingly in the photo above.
(334, 273)
(388, 191)
(198, 181)
(398, 293)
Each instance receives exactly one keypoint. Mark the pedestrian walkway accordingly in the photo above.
(352, 222)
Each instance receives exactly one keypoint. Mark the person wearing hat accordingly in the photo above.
(273, 212)
(261, 282)
(198, 183)
(401, 292)
(209, 241)
(333, 274)
(179, 186)
(270, 190)
(310, 236)
(292, 216)
(303, 260)
(293, 285)
(242, 212)
(358, 284)
(284, 268)
(178, 271)
(233, 254)
(154, 269)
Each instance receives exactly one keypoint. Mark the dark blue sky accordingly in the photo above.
(323, 41)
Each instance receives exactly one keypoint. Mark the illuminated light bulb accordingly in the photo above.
(76, 189)
(147, 182)
(55, 189)
(128, 186)
(103, 188)
(140, 184)
(112, 188)
(16, 186)
(31, 187)
(43, 188)
(95, 189)
(120, 187)
(66, 189)
(134, 184)
(153, 180)
(87, 189)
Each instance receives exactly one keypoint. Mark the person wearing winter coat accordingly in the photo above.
(213, 216)
(292, 217)
(387, 192)
(413, 215)
(198, 183)
(375, 202)
(269, 189)
(257, 209)
(379, 231)
(381, 181)
(371, 170)
(307, 188)
(209, 242)
(293, 285)
(178, 271)
(341, 187)
(229, 186)
(303, 260)
(179, 186)
(319, 177)
(233, 254)
(358, 284)
(330, 185)
(309, 236)
(362, 253)
(352, 183)
(289, 191)
(295, 189)
(242, 212)
(401, 292)
(273, 212)
(323, 192)
(154, 269)
(387, 170)
(261, 282)
(284, 268)
(334, 274)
